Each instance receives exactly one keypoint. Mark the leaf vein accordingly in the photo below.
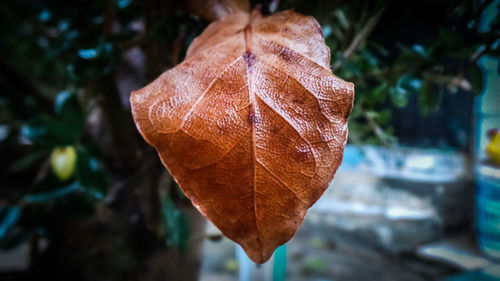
(209, 87)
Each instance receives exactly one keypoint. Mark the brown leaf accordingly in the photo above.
(252, 125)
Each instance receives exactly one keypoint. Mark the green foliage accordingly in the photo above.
(387, 74)
(59, 64)
(40, 135)
(38, 58)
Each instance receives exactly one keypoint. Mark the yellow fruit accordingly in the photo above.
(493, 149)
(63, 162)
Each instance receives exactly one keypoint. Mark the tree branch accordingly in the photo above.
(361, 37)
(384, 138)
(118, 123)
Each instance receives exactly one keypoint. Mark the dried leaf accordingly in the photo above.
(252, 125)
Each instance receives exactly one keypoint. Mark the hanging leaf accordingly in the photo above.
(252, 125)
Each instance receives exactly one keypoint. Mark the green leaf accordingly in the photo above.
(384, 116)
(379, 93)
(36, 133)
(90, 175)
(177, 225)
(429, 99)
(369, 57)
(87, 54)
(405, 85)
(53, 194)
(349, 69)
(44, 15)
(68, 108)
(46, 131)
(413, 58)
(94, 61)
(61, 99)
(122, 4)
(8, 218)
(28, 160)
(420, 50)
(399, 96)
(410, 83)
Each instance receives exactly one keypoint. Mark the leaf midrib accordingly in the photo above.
(253, 116)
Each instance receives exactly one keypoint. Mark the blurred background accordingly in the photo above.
(83, 197)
